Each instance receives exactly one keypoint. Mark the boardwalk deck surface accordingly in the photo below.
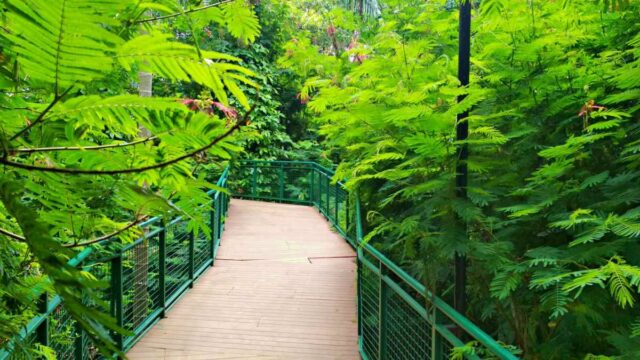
(283, 287)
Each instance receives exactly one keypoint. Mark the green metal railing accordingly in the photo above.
(398, 318)
(146, 278)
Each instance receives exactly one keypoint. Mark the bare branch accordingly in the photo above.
(178, 159)
(182, 13)
(85, 243)
(12, 235)
(108, 236)
(77, 148)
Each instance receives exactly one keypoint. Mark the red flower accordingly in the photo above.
(303, 99)
(331, 31)
(192, 104)
(229, 112)
(589, 107)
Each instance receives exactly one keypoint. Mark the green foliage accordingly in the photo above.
(551, 217)
(83, 157)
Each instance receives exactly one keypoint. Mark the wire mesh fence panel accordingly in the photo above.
(267, 182)
(369, 312)
(177, 258)
(242, 180)
(21, 348)
(323, 199)
(89, 350)
(447, 350)
(140, 282)
(331, 201)
(317, 187)
(408, 333)
(296, 182)
(62, 333)
(202, 250)
(343, 212)
(352, 222)
(102, 301)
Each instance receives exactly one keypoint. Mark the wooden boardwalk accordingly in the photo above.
(283, 287)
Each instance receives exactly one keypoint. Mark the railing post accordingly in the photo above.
(78, 343)
(212, 227)
(437, 344)
(219, 209)
(162, 268)
(383, 314)
(42, 333)
(116, 297)
(311, 185)
(359, 291)
(327, 194)
(254, 180)
(347, 223)
(192, 248)
(337, 215)
(281, 182)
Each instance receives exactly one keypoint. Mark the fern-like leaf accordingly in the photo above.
(63, 43)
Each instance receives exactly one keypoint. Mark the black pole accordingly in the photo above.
(462, 132)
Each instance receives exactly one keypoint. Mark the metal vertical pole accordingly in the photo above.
(462, 132)
(117, 297)
(383, 314)
(359, 290)
(281, 183)
(336, 209)
(219, 210)
(212, 227)
(42, 333)
(78, 342)
(254, 180)
(346, 215)
(311, 179)
(437, 343)
(162, 269)
(327, 198)
(192, 250)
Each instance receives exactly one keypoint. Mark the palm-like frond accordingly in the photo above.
(157, 54)
(63, 42)
(122, 113)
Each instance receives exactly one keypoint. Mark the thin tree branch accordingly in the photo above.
(85, 243)
(75, 148)
(42, 114)
(108, 236)
(182, 13)
(19, 108)
(12, 235)
(178, 159)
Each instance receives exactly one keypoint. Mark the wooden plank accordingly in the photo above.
(283, 288)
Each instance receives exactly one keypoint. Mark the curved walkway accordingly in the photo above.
(283, 287)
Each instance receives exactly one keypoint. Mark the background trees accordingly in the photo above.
(551, 219)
